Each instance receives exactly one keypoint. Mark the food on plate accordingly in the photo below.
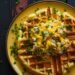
(43, 34)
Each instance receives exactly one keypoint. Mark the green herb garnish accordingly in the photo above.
(65, 10)
(38, 52)
(29, 50)
(62, 18)
(50, 33)
(55, 10)
(14, 50)
(69, 27)
(56, 38)
(36, 10)
(14, 62)
(15, 30)
(23, 72)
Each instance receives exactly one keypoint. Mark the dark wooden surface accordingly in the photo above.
(6, 17)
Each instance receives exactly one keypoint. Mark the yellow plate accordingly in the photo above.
(10, 37)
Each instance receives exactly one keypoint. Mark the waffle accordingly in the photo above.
(44, 67)
(31, 62)
(43, 31)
